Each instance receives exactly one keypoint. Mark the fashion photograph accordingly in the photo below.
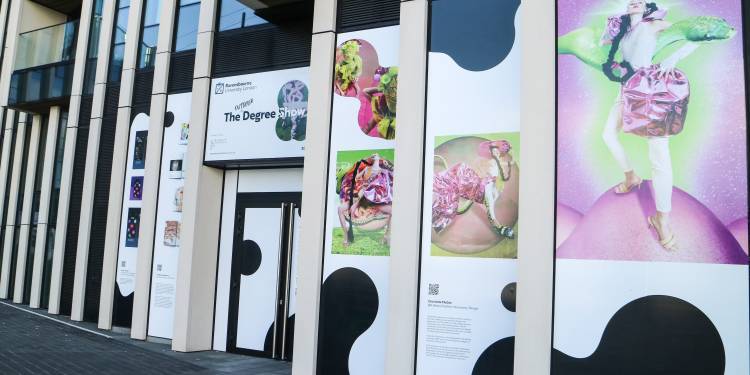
(358, 74)
(365, 194)
(475, 196)
(651, 132)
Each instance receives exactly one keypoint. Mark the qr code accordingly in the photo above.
(434, 289)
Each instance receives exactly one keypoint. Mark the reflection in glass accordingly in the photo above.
(149, 34)
(235, 15)
(118, 42)
(187, 25)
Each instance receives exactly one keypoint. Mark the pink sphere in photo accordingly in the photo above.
(616, 228)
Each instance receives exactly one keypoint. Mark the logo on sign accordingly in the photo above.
(219, 89)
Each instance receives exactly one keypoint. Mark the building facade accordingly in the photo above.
(232, 175)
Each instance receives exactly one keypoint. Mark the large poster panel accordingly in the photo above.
(169, 216)
(472, 165)
(354, 298)
(651, 260)
(258, 119)
(127, 254)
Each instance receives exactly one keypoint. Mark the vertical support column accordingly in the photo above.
(44, 205)
(9, 53)
(123, 117)
(89, 177)
(119, 156)
(4, 19)
(152, 171)
(10, 222)
(70, 141)
(314, 185)
(196, 266)
(537, 201)
(28, 198)
(407, 200)
(4, 164)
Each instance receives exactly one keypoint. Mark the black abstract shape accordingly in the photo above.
(508, 297)
(251, 257)
(122, 309)
(477, 34)
(268, 342)
(497, 359)
(168, 119)
(349, 305)
(652, 335)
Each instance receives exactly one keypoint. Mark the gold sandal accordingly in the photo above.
(669, 244)
(621, 188)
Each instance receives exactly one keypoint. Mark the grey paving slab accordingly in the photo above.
(31, 344)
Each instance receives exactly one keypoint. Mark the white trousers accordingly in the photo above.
(658, 155)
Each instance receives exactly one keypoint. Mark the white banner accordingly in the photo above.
(258, 116)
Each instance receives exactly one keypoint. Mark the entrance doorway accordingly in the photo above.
(263, 275)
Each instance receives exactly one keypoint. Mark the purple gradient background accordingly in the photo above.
(718, 172)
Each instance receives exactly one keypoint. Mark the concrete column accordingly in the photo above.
(9, 53)
(5, 176)
(44, 205)
(92, 158)
(5, 158)
(537, 198)
(407, 200)
(28, 199)
(196, 268)
(152, 171)
(109, 263)
(14, 183)
(3, 17)
(314, 185)
(63, 205)
(105, 39)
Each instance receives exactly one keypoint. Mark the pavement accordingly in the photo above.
(33, 342)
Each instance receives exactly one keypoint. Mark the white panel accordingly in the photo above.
(169, 219)
(270, 180)
(367, 355)
(257, 302)
(223, 279)
(127, 255)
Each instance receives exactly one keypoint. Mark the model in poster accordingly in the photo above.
(358, 74)
(381, 119)
(638, 36)
(460, 182)
(366, 193)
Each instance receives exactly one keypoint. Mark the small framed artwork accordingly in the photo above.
(136, 188)
(132, 226)
(139, 151)
(172, 233)
(178, 198)
(175, 168)
(184, 129)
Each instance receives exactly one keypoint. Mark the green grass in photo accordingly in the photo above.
(367, 243)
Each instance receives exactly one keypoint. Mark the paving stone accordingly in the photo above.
(30, 344)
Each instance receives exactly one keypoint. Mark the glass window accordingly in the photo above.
(187, 25)
(235, 15)
(149, 34)
(118, 41)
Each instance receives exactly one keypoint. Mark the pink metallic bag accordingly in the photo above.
(655, 102)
